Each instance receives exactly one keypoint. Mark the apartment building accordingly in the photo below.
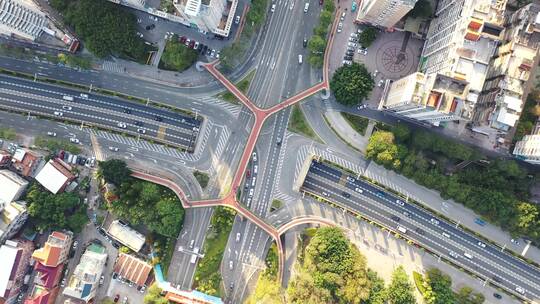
(15, 258)
(83, 283)
(56, 250)
(20, 20)
(215, 16)
(13, 186)
(383, 13)
(508, 80)
(13, 215)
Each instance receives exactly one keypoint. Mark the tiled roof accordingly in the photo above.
(132, 269)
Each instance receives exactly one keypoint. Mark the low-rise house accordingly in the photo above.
(26, 162)
(13, 186)
(126, 235)
(132, 269)
(55, 175)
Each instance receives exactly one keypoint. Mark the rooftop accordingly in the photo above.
(54, 176)
(9, 253)
(12, 185)
(132, 269)
(126, 235)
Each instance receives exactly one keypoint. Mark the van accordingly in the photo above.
(401, 229)
(306, 7)
(299, 59)
(467, 255)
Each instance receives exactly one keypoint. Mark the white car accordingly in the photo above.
(399, 202)
(481, 244)
(375, 73)
(114, 149)
(58, 113)
(142, 131)
(63, 282)
(238, 237)
(231, 265)
(213, 53)
(52, 134)
(342, 16)
(67, 108)
(140, 34)
(121, 125)
(434, 222)
(196, 45)
(381, 82)
(254, 155)
(352, 39)
(237, 19)
(251, 192)
(74, 140)
(347, 62)
(75, 244)
(352, 44)
(354, 35)
(85, 96)
(273, 9)
(358, 190)
(520, 290)
(362, 51)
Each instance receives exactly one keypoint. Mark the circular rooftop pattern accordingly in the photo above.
(393, 61)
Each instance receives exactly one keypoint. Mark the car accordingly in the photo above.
(231, 286)
(342, 17)
(130, 284)
(237, 20)
(140, 34)
(400, 202)
(238, 237)
(291, 6)
(218, 53)
(354, 35)
(362, 51)
(208, 52)
(353, 39)
(213, 53)
(520, 290)
(192, 44)
(231, 265)
(251, 191)
(273, 8)
(434, 222)
(304, 43)
(381, 82)
(496, 279)
(379, 193)
(453, 254)
(354, 6)
(142, 289)
(255, 168)
(481, 244)
(67, 108)
(58, 113)
(419, 231)
(349, 53)
(351, 179)
(325, 194)
(183, 39)
(352, 44)
(497, 296)
(191, 243)
(358, 190)
(125, 300)
(196, 45)
(188, 41)
(321, 2)
(248, 173)
(254, 156)
(348, 58)
(374, 74)
(158, 118)
(395, 218)
(345, 194)
(407, 214)
(204, 48)
(74, 140)
(85, 96)
(75, 244)
(340, 25)
(52, 134)
(347, 62)
(63, 283)
(446, 235)
(126, 110)
(141, 131)
(121, 125)
(306, 7)
(114, 149)
(101, 280)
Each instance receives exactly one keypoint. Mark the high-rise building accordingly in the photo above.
(56, 250)
(208, 15)
(20, 20)
(508, 79)
(383, 13)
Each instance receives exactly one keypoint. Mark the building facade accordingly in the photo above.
(528, 148)
(15, 255)
(56, 250)
(383, 13)
(20, 20)
(13, 186)
(13, 215)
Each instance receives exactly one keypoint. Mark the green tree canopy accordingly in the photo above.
(333, 271)
(400, 290)
(377, 294)
(441, 287)
(114, 171)
(55, 211)
(153, 296)
(367, 37)
(383, 150)
(316, 44)
(351, 84)
(422, 9)
(177, 56)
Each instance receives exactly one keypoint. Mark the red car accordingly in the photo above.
(192, 44)
(183, 39)
(321, 2)
(116, 298)
(248, 173)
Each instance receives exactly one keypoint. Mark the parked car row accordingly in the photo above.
(76, 159)
(201, 48)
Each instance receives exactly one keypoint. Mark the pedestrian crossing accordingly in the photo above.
(306, 152)
(112, 67)
(231, 108)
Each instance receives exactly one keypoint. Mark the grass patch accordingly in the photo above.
(202, 178)
(298, 124)
(271, 262)
(276, 204)
(7, 133)
(207, 274)
(56, 144)
(358, 123)
(242, 85)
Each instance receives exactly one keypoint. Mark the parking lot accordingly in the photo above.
(123, 290)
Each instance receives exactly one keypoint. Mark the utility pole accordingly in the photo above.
(35, 77)
(90, 89)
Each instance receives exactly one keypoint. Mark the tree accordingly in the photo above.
(367, 37)
(153, 296)
(422, 9)
(351, 84)
(177, 56)
(381, 148)
(316, 44)
(325, 18)
(267, 291)
(377, 294)
(400, 290)
(315, 60)
(466, 295)
(440, 286)
(114, 171)
(329, 6)
(401, 132)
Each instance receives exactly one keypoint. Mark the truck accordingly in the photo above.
(402, 229)
(68, 98)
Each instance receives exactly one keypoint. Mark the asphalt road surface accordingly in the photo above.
(442, 238)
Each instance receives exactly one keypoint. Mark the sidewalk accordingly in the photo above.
(347, 133)
(452, 210)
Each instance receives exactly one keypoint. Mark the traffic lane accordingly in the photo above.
(111, 103)
(435, 242)
(380, 195)
(108, 120)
